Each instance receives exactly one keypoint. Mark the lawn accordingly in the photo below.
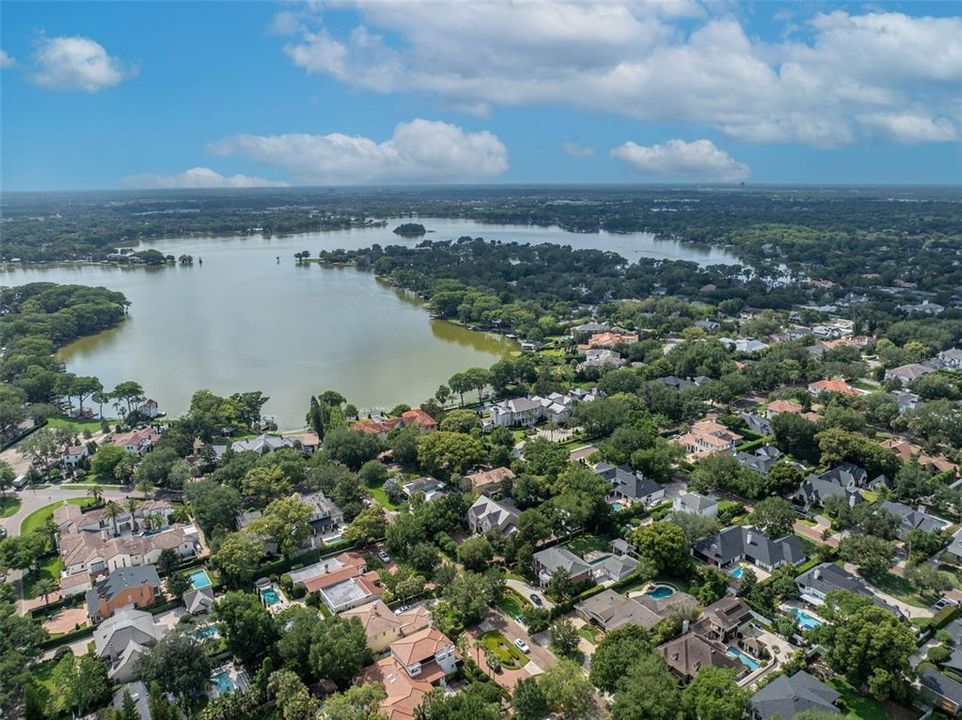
(859, 707)
(512, 603)
(589, 633)
(381, 497)
(9, 506)
(899, 588)
(497, 644)
(51, 568)
(37, 518)
(77, 426)
(584, 544)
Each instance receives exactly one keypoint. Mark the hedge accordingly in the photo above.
(67, 637)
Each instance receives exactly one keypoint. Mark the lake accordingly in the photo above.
(243, 321)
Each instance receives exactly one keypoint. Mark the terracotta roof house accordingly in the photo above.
(488, 482)
(788, 695)
(383, 626)
(688, 654)
(352, 591)
(419, 418)
(74, 455)
(836, 385)
(416, 663)
(128, 586)
(329, 571)
(136, 442)
(777, 407)
(707, 437)
(381, 427)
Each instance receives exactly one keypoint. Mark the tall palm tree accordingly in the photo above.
(96, 492)
(131, 506)
(46, 586)
(112, 511)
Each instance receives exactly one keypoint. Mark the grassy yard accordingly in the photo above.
(37, 518)
(77, 426)
(498, 645)
(377, 492)
(9, 506)
(899, 588)
(51, 568)
(586, 543)
(512, 603)
(589, 633)
(859, 707)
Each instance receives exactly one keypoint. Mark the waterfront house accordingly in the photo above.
(137, 441)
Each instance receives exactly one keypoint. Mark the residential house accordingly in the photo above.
(815, 584)
(942, 691)
(382, 626)
(955, 548)
(548, 561)
(376, 426)
(611, 568)
(149, 409)
(911, 519)
(136, 442)
(688, 654)
(601, 358)
(351, 592)
(708, 437)
(329, 571)
(487, 514)
(696, 503)
(729, 621)
(907, 451)
(738, 543)
(74, 455)
(707, 325)
(743, 345)
(416, 663)
(788, 695)
(418, 418)
(761, 459)
(610, 339)
(489, 482)
(138, 693)
(199, 601)
(326, 517)
(629, 487)
(908, 373)
(585, 331)
(923, 308)
(610, 610)
(149, 514)
(127, 586)
(758, 424)
(262, 444)
(777, 407)
(905, 400)
(950, 359)
(429, 487)
(517, 411)
(815, 490)
(122, 639)
(836, 385)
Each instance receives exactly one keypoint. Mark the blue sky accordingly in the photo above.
(183, 94)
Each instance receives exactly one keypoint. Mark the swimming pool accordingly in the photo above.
(270, 596)
(806, 621)
(617, 506)
(222, 682)
(200, 579)
(737, 572)
(660, 592)
(746, 660)
(206, 632)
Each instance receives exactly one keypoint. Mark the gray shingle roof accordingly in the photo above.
(736, 541)
(786, 696)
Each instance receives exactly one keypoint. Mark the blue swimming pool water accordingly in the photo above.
(222, 682)
(744, 659)
(270, 596)
(200, 579)
(737, 572)
(206, 632)
(660, 592)
(617, 506)
(806, 621)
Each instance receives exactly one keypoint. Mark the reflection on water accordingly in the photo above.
(244, 321)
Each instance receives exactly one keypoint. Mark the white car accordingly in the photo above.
(522, 645)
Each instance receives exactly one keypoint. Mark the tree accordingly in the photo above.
(128, 709)
(249, 630)
(564, 638)
(351, 447)
(373, 473)
(783, 478)
(359, 702)
(696, 527)
(367, 527)
(44, 445)
(664, 545)
(156, 469)
(795, 436)
(239, 557)
(286, 522)
(178, 665)
(560, 585)
(647, 691)
(462, 421)
(21, 638)
(130, 392)
(263, 484)
(7, 476)
(83, 387)
(567, 691)
(105, 459)
(81, 682)
(213, 505)
(291, 696)
(475, 553)
(528, 700)
(774, 516)
(339, 650)
(873, 555)
(443, 453)
(714, 695)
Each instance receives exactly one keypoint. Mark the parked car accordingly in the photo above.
(536, 599)
(384, 557)
(522, 645)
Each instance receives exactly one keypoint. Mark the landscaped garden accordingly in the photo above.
(512, 603)
(38, 518)
(858, 707)
(583, 544)
(496, 644)
(9, 506)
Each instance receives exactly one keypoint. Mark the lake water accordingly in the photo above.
(243, 321)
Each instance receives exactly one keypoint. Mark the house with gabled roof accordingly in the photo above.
(487, 514)
(788, 695)
(738, 543)
(125, 587)
(548, 561)
(688, 654)
(630, 487)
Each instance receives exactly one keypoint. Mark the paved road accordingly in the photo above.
(32, 500)
(539, 655)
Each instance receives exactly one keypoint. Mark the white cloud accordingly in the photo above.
(576, 150)
(418, 151)
(6, 61)
(638, 59)
(698, 160)
(77, 63)
(909, 128)
(198, 177)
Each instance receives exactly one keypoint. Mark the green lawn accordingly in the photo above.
(381, 498)
(497, 644)
(51, 568)
(589, 633)
(512, 603)
(898, 587)
(9, 506)
(586, 543)
(859, 707)
(37, 518)
(77, 426)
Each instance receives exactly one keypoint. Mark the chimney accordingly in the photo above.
(748, 538)
(684, 626)
(817, 574)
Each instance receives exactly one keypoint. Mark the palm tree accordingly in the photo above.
(45, 586)
(97, 493)
(112, 511)
(131, 506)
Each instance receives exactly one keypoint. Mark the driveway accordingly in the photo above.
(910, 611)
(526, 590)
(539, 655)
